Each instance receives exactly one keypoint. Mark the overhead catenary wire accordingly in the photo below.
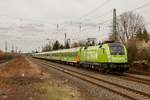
(140, 7)
(94, 10)
(28, 19)
(99, 16)
(135, 9)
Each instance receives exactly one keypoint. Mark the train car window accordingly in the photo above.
(116, 49)
(103, 50)
(75, 53)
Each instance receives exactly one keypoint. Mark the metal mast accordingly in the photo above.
(114, 25)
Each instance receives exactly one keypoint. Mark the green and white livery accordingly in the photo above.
(110, 57)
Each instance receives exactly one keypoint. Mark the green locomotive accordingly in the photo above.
(110, 57)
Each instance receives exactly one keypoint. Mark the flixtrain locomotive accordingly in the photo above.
(106, 57)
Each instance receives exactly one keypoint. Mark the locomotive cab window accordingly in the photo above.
(116, 49)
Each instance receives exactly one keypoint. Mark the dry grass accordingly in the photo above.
(20, 79)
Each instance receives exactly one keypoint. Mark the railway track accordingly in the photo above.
(113, 87)
(5, 60)
(140, 72)
(135, 79)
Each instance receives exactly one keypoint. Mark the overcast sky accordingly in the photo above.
(29, 24)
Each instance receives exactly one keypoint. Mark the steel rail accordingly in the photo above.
(135, 79)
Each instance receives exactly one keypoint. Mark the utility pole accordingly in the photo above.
(6, 46)
(65, 39)
(99, 28)
(16, 49)
(57, 27)
(114, 25)
(80, 27)
(12, 48)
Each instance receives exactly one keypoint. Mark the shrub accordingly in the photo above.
(132, 50)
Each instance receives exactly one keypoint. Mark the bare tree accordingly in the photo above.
(47, 47)
(128, 25)
(146, 35)
(82, 43)
(75, 44)
(111, 36)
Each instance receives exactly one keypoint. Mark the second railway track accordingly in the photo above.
(135, 79)
(113, 87)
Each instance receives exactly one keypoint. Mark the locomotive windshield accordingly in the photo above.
(116, 49)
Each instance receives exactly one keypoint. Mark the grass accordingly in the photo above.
(54, 92)
(58, 93)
